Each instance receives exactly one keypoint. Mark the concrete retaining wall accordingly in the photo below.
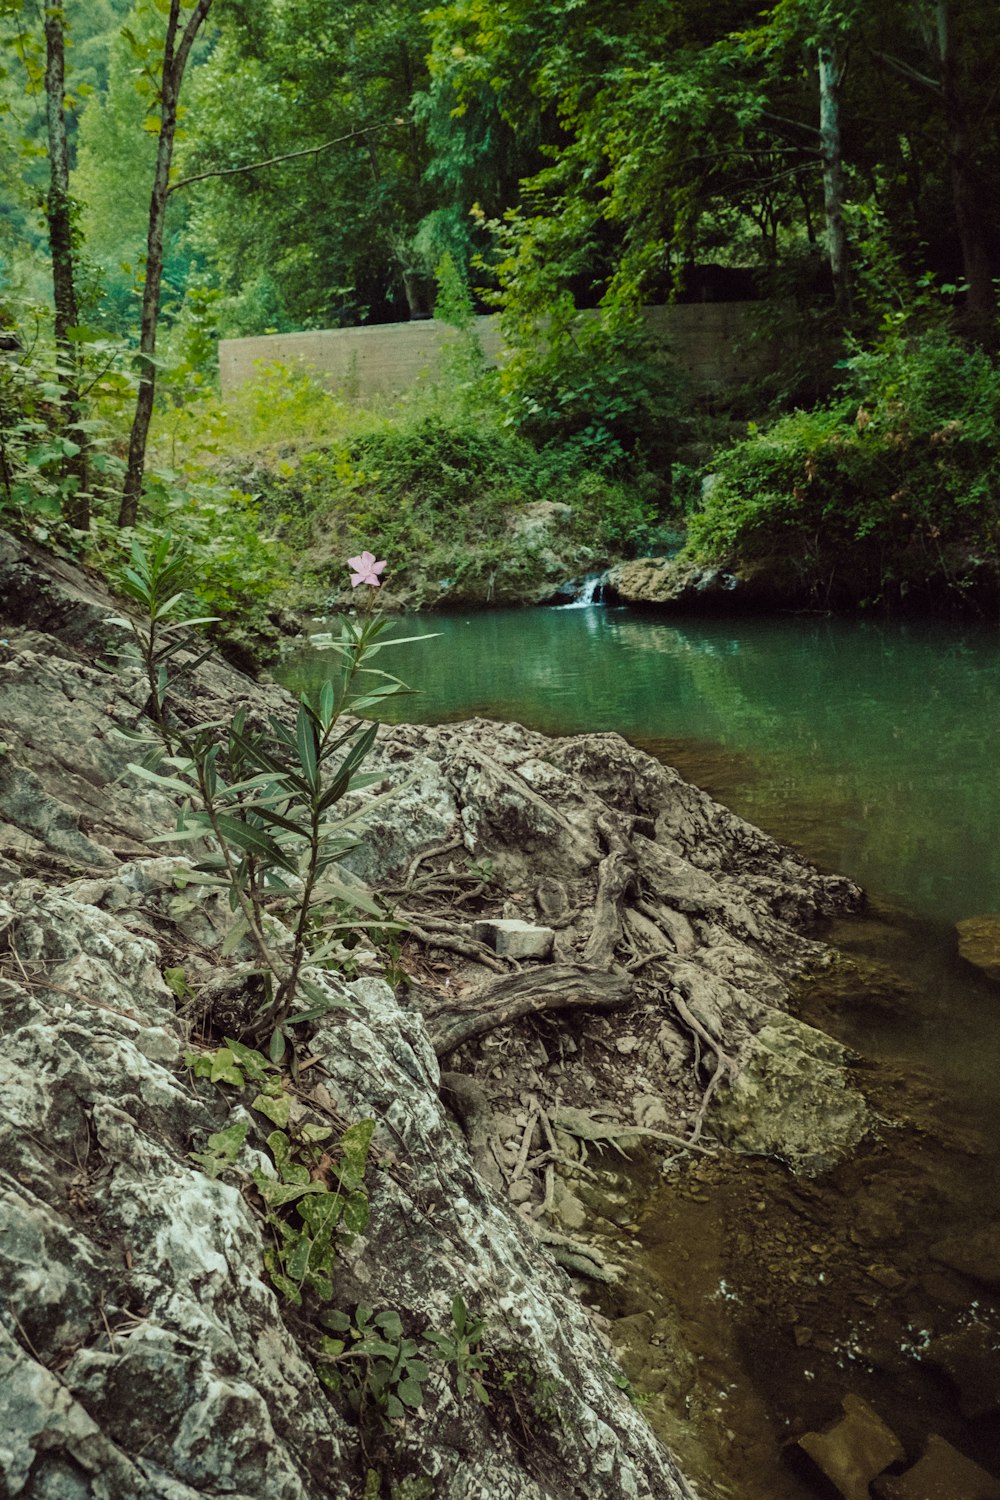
(712, 341)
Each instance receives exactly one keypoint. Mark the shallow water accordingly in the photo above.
(872, 747)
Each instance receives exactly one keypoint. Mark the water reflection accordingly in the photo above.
(871, 743)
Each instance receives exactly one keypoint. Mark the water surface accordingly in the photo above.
(873, 745)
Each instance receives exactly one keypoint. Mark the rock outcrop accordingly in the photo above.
(143, 1350)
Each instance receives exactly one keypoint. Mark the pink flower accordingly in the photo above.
(365, 570)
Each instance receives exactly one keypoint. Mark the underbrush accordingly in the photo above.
(891, 490)
(435, 482)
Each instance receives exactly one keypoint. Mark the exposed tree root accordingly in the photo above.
(444, 936)
(552, 987)
(616, 880)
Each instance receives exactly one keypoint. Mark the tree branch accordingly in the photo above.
(913, 74)
(273, 161)
(767, 114)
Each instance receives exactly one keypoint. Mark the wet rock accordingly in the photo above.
(979, 943)
(664, 581)
(854, 1450)
(976, 1255)
(971, 1360)
(792, 1100)
(941, 1474)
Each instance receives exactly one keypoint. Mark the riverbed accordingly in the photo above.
(871, 747)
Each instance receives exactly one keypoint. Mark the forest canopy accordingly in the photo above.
(177, 170)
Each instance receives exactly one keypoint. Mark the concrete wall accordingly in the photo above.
(712, 342)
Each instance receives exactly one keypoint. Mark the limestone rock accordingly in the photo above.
(791, 1098)
(510, 938)
(971, 1359)
(141, 1278)
(976, 1255)
(664, 581)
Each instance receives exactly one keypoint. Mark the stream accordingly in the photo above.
(871, 747)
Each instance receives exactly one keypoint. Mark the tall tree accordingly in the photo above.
(178, 41)
(59, 214)
(963, 85)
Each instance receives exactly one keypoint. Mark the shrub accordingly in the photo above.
(893, 487)
(442, 490)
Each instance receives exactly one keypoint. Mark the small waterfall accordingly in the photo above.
(589, 593)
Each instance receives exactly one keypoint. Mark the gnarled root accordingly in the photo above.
(551, 987)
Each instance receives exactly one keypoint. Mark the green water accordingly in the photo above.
(873, 746)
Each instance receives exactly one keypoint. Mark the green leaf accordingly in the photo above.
(409, 1392)
(253, 1063)
(254, 841)
(234, 937)
(297, 1260)
(222, 1068)
(356, 1212)
(307, 746)
(277, 1044)
(338, 1321)
(176, 981)
(354, 1146)
(277, 1107)
(326, 704)
(277, 1194)
(329, 1002)
(166, 783)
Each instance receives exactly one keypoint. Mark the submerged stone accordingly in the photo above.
(942, 1474)
(854, 1450)
(979, 943)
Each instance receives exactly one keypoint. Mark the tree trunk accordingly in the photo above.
(59, 214)
(831, 149)
(980, 314)
(175, 58)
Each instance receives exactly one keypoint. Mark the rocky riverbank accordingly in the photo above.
(595, 958)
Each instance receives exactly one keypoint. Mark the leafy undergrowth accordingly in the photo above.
(435, 482)
(889, 492)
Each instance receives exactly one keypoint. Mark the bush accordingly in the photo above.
(595, 386)
(441, 492)
(892, 488)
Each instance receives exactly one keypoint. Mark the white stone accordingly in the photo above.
(510, 938)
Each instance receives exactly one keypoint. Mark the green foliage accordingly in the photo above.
(328, 1198)
(315, 1194)
(894, 485)
(265, 796)
(372, 1362)
(442, 489)
(461, 1347)
(591, 385)
(37, 486)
